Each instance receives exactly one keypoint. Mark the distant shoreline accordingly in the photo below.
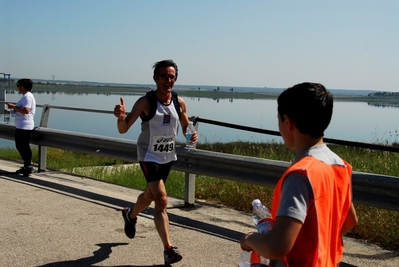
(194, 87)
(71, 88)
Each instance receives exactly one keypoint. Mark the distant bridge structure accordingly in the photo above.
(6, 77)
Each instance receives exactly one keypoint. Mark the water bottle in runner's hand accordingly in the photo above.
(189, 133)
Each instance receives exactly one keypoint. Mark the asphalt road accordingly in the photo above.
(56, 219)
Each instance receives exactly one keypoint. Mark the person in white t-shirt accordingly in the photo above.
(25, 110)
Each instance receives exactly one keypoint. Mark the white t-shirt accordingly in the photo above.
(26, 121)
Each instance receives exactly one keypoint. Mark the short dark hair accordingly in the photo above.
(162, 64)
(309, 106)
(26, 83)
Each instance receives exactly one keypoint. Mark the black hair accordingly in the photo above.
(309, 106)
(26, 83)
(162, 64)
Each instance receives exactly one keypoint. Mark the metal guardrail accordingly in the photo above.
(325, 139)
(369, 189)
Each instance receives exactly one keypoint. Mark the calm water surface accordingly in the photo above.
(353, 121)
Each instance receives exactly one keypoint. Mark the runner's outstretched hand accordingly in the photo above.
(120, 110)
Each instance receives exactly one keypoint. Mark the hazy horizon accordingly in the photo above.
(210, 87)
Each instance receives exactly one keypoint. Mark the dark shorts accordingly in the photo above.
(154, 171)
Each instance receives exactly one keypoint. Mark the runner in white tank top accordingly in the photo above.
(161, 113)
(156, 142)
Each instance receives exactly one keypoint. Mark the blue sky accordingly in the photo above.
(343, 44)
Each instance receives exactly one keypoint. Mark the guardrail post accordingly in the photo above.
(189, 192)
(3, 98)
(42, 158)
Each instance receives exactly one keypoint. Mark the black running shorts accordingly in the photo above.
(154, 171)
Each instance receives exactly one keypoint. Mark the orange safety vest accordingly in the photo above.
(319, 242)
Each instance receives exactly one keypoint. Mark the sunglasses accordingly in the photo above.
(167, 77)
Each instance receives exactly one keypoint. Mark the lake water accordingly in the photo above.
(352, 121)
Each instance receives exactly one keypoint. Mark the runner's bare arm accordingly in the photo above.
(125, 122)
(184, 119)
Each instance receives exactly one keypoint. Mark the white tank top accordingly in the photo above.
(157, 140)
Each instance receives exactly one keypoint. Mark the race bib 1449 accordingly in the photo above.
(163, 144)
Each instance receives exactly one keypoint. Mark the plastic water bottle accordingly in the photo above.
(261, 216)
(189, 133)
(245, 259)
(263, 221)
(249, 259)
(7, 116)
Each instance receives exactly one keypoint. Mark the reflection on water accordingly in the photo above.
(218, 99)
(354, 121)
(384, 104)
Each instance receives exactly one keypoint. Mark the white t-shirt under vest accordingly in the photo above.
(157, 140)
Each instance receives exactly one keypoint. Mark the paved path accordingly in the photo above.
(56, 219)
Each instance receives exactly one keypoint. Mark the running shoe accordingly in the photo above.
(26, 170)
(130, 224)
(171, 255)
(21, 170)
